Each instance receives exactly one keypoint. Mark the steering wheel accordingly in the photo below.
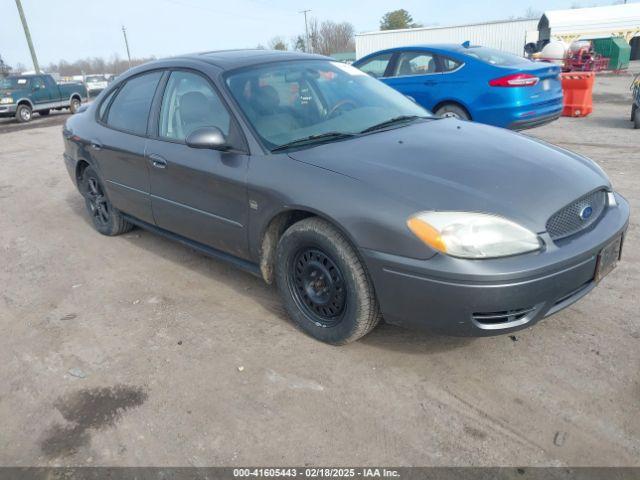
(340, 106)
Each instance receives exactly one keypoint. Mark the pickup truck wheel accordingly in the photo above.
(324, 286)
(44, 113)
(106, 219)
(24, 113)
(74, 105)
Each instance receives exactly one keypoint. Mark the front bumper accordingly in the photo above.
(8, 110)
(456, 296)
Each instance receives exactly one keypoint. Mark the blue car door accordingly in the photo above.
(415, 73)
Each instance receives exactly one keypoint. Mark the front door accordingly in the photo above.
(41, 95)
(199, 194)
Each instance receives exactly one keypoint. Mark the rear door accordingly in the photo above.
(415, 73)
(200, 194)
(119, 144)
(52, 87)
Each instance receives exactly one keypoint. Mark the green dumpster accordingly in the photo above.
(616, 49)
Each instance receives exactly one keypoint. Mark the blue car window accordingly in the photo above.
(376, 66)
(495, 57)
(415, 63)
(449, 64)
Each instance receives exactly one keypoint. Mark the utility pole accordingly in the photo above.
(306, 30)
(126, 42)
(36, 67)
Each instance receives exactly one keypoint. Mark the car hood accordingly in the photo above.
(463, 166)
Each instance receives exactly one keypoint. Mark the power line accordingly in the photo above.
(306, 30)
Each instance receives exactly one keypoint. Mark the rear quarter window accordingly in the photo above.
(495, 57)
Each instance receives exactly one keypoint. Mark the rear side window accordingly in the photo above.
(449, 64)
(376, 66)
(415, 63)
(130, 109)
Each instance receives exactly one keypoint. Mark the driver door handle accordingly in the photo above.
(157, 161)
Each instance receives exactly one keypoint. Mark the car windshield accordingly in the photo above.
(290, 101)
(14, 83)
(495, 57)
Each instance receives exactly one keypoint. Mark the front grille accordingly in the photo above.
(571, 219)
(507, 316)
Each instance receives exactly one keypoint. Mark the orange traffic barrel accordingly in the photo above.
(577, 90)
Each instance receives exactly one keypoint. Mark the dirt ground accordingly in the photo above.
(137, 351)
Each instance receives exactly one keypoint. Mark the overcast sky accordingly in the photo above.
(73, 29)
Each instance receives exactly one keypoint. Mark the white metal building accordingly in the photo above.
(509, 36)
(613, 20)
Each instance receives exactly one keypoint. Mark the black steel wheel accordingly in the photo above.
(324, 286)
(318, 287)
(105, 218)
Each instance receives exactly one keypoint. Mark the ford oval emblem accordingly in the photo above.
(586, 212)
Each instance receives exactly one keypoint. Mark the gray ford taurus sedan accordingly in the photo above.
(358, 203)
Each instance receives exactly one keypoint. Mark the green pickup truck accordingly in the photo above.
(22, 95)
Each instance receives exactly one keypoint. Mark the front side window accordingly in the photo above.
(130, 109)
(415, 63)
(190, 103)
(287, 101)
(37, 83)
(376, 66)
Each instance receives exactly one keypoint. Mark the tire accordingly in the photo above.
(24, 113)
(636, 119)
(634, 108)
(44, 113)
(324, 286)
(106, 219)
(74, 105)
(453, 110)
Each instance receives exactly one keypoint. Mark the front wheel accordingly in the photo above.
(451, 110)
(323, 284)
(24, 113)
(106, 219)
(74, 105)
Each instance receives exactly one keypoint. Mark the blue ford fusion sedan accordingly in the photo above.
(472, 83)
(356, 202)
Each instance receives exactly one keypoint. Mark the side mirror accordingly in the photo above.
(207, 137)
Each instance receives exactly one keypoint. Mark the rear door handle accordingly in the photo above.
(157, 161)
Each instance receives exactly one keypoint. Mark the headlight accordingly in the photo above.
(472, 235)
(5, 100)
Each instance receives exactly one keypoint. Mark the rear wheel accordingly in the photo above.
(24, 113)
(634, 108)
(636, 119)
(106, 219)
(74, 105)
(44, 113)
(324, 286)
(453, 110)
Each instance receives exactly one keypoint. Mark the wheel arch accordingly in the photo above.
(457, 103)
(278, 224)
(25, 101)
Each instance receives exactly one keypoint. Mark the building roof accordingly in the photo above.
(576, 20)
(442, 27)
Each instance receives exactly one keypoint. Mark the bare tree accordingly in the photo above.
(330, 37)
(278, 43)
(95, 65)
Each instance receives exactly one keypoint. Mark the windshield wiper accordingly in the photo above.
(391, 122)
(313, 139)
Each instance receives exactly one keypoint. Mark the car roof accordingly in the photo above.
(434, 47)
(232, 59)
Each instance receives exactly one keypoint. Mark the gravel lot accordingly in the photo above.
(137, 351)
